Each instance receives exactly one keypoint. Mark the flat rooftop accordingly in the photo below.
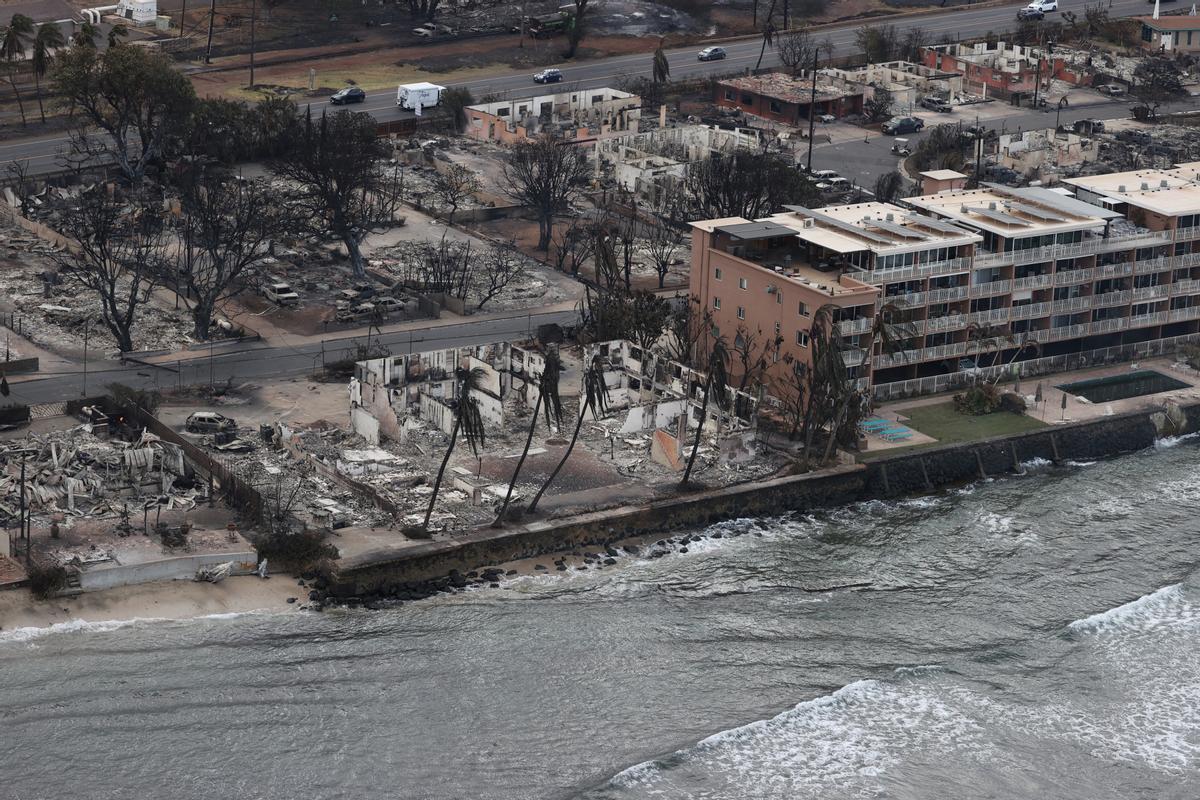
(783, 87)
(1170, 192)
(1012, 212)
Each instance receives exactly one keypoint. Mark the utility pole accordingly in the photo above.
(521, 43)
(212, 16)
(24, 531)
(211, 382)
(87, 326)
(812, 108)
(253, 15)
(182, 18)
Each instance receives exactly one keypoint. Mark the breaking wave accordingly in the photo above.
(1166, 607)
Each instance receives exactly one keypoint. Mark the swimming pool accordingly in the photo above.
(1119, 387)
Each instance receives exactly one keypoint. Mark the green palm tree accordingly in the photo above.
(116, 33)
(716, 382)
(87, 35)
(595, 399)
(548, 400)
(48, 38)
(12, 49)
(467, 421)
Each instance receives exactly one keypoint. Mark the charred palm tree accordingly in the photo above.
(768, 34)
(662, 69)
(595, 400)
(548, 401)
(467, 421)
(1027, 342)
(716, 382)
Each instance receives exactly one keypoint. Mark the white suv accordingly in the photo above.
(1045, 6)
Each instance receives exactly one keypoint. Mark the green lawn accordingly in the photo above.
(948, 426)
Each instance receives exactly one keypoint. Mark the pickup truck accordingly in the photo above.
(279, 292)
(432, 31)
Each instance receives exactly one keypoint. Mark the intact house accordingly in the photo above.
(1002, 69)
(579, 115)
(781, 98)
(1176, 33)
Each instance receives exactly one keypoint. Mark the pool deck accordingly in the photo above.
(1050, 410)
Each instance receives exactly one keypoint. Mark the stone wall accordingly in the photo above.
(902, 474)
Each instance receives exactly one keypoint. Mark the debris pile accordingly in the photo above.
(73, 473)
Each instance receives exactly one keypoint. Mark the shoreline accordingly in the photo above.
(160, 600)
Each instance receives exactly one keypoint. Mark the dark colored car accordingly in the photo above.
(937, 104)
(351, 94)
(898, 125)
(548, 76)
(712, 54)
(1030, 13)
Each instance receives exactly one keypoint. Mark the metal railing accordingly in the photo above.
(1152, 265)
(850, 327)
(949, 322)
(1073, 276)
(990, 288)
(1148, 292)
(950, 266)
(1187, 286)
(898, 390)
(1192, 312)
(1033, 282)
(990, 316)
(1109, 299)
(1146, 320)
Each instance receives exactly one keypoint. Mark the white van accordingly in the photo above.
(410, 96)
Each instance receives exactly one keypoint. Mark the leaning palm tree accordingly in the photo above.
(467, 420)
(768, 34)
(662, 69)
(48, 38)
(716, 382)
(1027, 342)
(595, 400)
(983, 338)
(548, 400)
(12, 49)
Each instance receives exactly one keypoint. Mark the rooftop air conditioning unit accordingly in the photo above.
(890, 217)
(1121, 188)
(1163, 183)
(809, 222)
(1145, 186)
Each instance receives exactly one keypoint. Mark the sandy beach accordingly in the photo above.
(160, 600)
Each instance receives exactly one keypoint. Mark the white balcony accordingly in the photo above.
(1181, 314)
(990, 288)
(1151, 292)
(1033, 282)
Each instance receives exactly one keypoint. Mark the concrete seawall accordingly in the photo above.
(903, 474)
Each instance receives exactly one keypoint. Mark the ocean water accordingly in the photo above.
(1016, 638)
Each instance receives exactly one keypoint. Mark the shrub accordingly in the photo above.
(300, 551)
(47, 580)
(1013, 403)
(982, 398)
(1190, 354)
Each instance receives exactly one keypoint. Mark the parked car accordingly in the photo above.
(209, 422)
(548, 76)
(976, 132)
(429, 31)
(1045, 6)
(938, 104)
(1088, 127)
(351, 94)
(360, 311)
(279, 292)
(827, 118)
(837, 184)
(825, 174)
(1111, 89)
(898, 125)
(711, 54)
(1030, 14)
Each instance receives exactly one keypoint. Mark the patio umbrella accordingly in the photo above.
(1064, 406)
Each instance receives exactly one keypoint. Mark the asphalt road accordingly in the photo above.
(43, 154)
(263, 363)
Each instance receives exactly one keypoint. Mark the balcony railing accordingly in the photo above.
(853, 356)
(990, 288)
(949, 322)
(1030, 310)
(1146, 320)
(1192, 312)
(1152, 265)
(1114, 270)
(1073, 276)
(991, 316)
(1189, 286)
(1187, 234)
(937, 353)
(1149, 292)
(1112, 299)
(948, 267)
(1109, 325)
(1187, 260)
(850, 327)
(1071, 304)
(1033, 282)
